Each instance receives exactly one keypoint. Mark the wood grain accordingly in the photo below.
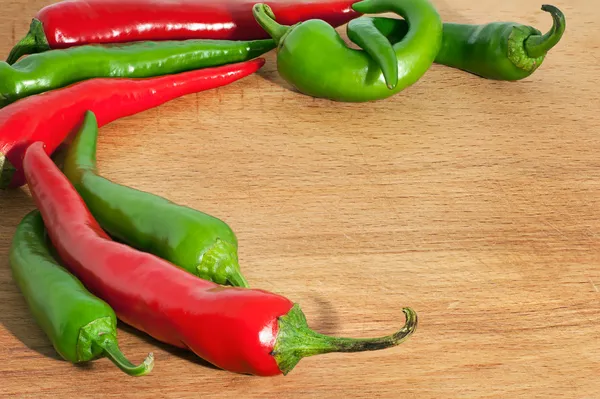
(475, 202)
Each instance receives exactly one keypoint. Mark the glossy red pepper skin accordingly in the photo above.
(232, 328)
(51, 116)
(77, 22)
(242, 330)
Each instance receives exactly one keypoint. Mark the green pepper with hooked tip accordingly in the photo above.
(499, 50)
(313, 58)
(80, 326)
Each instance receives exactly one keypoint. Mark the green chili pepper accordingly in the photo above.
(80, 326)
(199, 243)
(53, 69)
(499, 50)
(313, 58)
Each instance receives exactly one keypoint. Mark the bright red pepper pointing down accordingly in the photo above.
(242, 330)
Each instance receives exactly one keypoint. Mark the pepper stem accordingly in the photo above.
(266, 19)
(537, 46)
(296, 340)
(34, 42)
(112, 351)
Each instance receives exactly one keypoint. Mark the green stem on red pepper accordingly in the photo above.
(296, 340)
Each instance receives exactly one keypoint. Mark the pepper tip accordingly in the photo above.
(260, 62)
(149, 362)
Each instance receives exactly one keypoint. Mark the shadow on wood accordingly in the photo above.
(272, 75)
(327, 320)
(179, 352)
(18, 321)
(14, 313)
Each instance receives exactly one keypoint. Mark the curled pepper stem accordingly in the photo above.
(34, 42)
(112, 351)
(296, 340)
(266, 19)
(538, 46)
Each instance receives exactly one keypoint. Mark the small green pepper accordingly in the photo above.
(194, 241)
(80, 326)
(499, 50)
(54, 69)
(313, 58)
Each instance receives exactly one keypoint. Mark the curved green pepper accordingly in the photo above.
(499, 50)
(80, 326)
(313, 58)
(53, 69)
(199, 243)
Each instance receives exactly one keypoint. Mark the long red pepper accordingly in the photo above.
(237, 329)
(51, 116)
(76, 22)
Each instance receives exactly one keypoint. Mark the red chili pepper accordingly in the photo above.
(237, 329)
(51, 116)
(77, 22)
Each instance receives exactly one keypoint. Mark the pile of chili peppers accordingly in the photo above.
(94, 251)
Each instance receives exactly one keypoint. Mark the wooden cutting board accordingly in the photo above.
(476, 203)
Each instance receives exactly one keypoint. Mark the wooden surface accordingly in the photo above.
(476, 203)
